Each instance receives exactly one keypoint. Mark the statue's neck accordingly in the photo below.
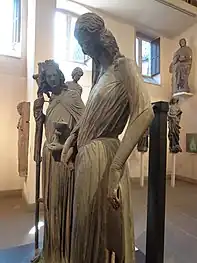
(105, 60)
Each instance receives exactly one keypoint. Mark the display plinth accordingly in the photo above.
(157, 185)
(183, 94)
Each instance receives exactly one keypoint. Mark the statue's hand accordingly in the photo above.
(68, 149)
(55, 147)
(113, 188)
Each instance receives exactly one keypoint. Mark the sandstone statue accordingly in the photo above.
(181, 67)
(77, 73)
(174, 117)
(23, 109)
(64, 111)
(102, 210)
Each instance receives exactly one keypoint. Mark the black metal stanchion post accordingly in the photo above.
(157, 185)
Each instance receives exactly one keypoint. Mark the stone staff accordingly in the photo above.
(39, 119)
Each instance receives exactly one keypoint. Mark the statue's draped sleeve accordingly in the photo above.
(141, 112)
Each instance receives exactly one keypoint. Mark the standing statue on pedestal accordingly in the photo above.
(77, 73)
(102, 210)
(174, 117)
(142, 145)
(64, 111)
(181, 67)
(23, 109)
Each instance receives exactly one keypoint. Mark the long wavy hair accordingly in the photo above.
(94, 25)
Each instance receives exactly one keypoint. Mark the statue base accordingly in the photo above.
(183, 94)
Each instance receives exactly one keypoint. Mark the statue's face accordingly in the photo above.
(52, 77)
(89, 44)
(77, 74)
(182, 42)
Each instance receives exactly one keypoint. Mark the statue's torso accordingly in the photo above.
(66, 107)
(184, 55)
(107, 109)
(74, 86)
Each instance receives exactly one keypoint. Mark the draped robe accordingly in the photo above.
(96, 226)
(58, 181)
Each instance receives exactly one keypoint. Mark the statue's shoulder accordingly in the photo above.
(128, 66)
(68, 83)
(121, 65)
(122, 61)
(189, 49)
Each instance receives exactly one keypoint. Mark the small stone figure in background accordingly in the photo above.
(142, 145)
(181, 67)
(23, 109)
(174, 117)
(76, 74)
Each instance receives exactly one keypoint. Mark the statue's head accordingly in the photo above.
(76, 74)
(52, 77)
(94, 38)
(182, 42)
(20, 107)
(174, 100)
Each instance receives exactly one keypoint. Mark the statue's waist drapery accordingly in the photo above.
(105, 140)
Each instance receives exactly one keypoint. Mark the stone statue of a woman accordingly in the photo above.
(174, 117)
(102, 210)
(64, 111)
(181, 67)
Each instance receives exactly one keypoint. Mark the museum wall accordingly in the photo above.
(186, 163)
(13, 90)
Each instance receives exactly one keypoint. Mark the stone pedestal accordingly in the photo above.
(157, 185)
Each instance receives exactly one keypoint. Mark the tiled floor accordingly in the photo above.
(181, 222)
(15, 223)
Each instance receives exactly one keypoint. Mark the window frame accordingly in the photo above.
(153, 41)
(69, 15)
(16, 43)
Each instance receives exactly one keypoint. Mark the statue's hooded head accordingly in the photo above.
(94, 38)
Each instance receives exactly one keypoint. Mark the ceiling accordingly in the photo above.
(157, 17)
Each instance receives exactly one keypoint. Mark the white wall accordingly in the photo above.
(12, 91)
